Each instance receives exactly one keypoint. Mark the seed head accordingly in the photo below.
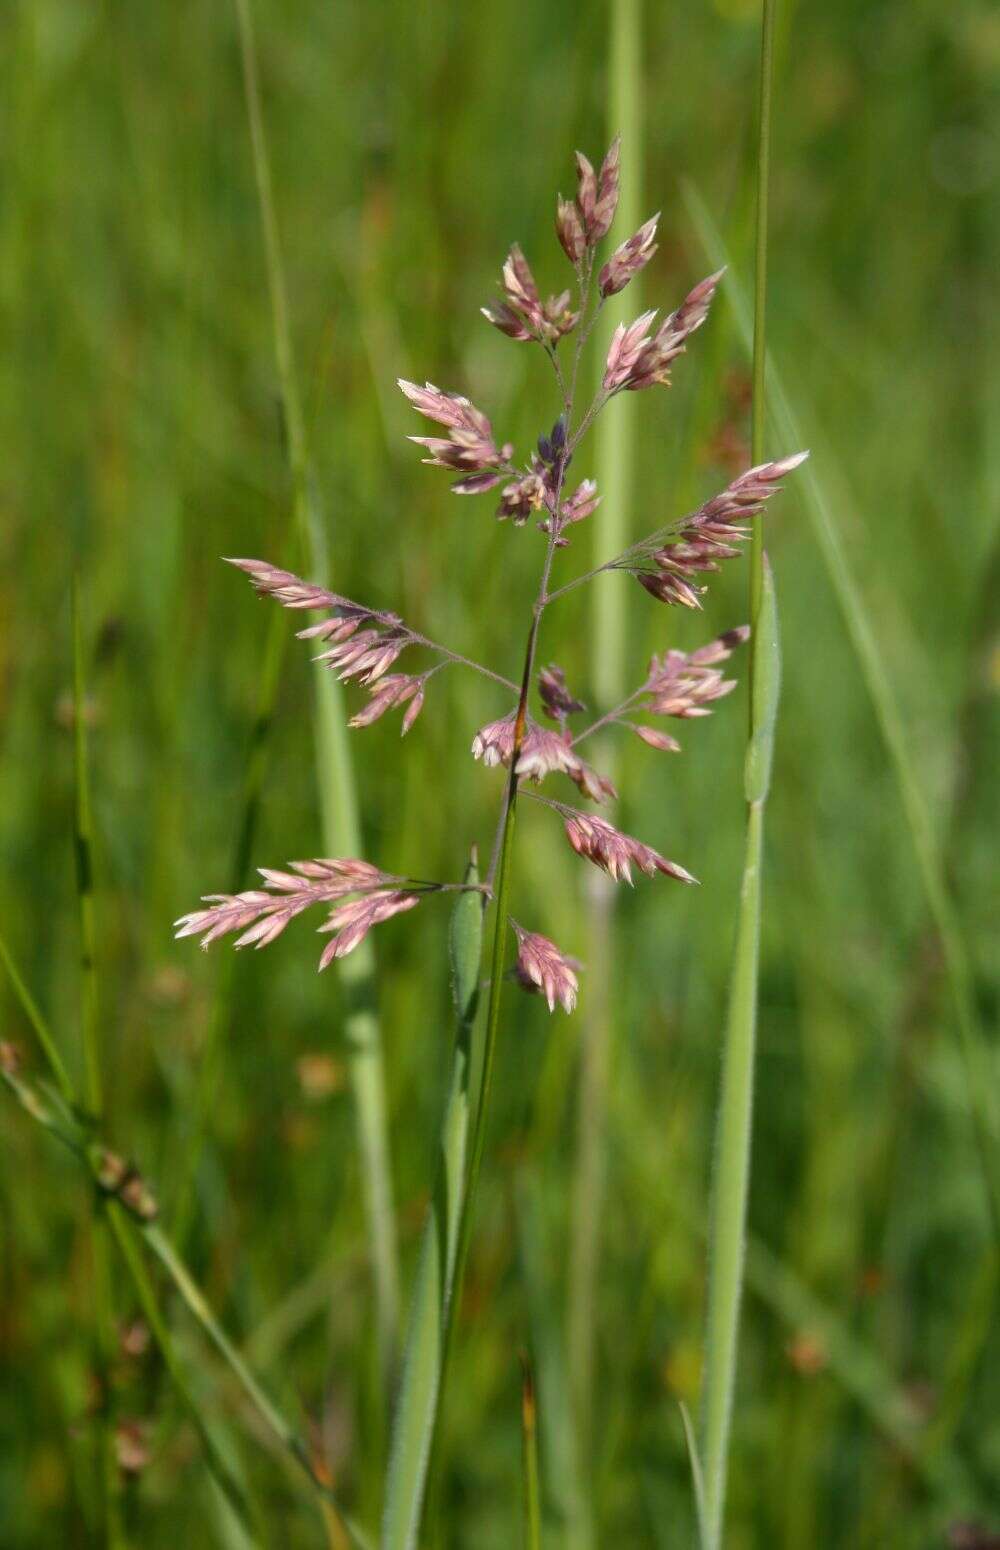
(615, 852)
(710, 534)
(260, 915)
(543, 969)
(470, 447)
(542, 753)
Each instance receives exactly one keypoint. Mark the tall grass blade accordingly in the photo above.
(104, 1322)
(615, 464)
(420, 1387)
(982, 1098)
(335, 774)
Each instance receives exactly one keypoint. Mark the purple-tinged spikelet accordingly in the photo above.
(626, 261)
(640, 362)
(544, 969)
(470, 447)
(615, 852)
(597, 193)
(569, 230)
(710, 534)
(627, 344)
(557, 701)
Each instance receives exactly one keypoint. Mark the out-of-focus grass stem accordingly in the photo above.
(734, 1125)
(529, 1446)
(615, 458)
(338, 801)
(93, 1088)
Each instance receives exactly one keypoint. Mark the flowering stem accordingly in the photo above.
(727, 1227)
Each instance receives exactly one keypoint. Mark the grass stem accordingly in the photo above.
(734, 1125)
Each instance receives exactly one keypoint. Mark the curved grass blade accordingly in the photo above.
(417, 1405)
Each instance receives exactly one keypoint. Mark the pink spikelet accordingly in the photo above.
(352, 921)
(670, 571)
(626, 261)
(542, 753)
(544, 969)
(615, 852)
(627, 345)
(261, 915)
(470, 448)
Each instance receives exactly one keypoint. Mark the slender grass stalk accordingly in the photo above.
(615, 465)
(416, 1406)
(93, 1090)
(223, 1476)
(335, 772)
(727, 1226)
(982, 1098)
(529, 1449)
(63, 1124)
(727, 1229)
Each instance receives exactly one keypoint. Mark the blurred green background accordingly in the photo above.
(141, 434)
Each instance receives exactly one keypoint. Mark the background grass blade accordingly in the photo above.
(615, 464)
(335, 773)
(981, 1087)
(429, 1314)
